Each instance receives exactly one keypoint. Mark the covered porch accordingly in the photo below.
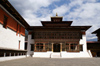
(57, 47)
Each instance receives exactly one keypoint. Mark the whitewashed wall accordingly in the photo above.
(30, 41)
(81, 54)
(83, 42)
(11, 58)
(8, 39)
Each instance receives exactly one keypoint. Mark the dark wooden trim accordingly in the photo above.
(73, 51)
(40, 51)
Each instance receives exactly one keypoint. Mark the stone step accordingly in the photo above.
(55, 55)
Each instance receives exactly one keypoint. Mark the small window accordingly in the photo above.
(19, 45)
(32, 47)
(32, 36)
(72, 47)
(5, 21)
(25, 46)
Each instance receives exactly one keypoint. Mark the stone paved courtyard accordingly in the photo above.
(52, 62)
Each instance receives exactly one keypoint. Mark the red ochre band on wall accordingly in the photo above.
(11, 23)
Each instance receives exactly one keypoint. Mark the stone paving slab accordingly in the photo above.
(52, 62)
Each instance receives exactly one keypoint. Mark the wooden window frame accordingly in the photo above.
(69, 47)
(5, 21)
(39, 47)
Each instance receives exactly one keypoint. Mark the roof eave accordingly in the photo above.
(15, 13)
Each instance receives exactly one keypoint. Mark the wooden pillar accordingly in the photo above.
(9, 54)
(4, 54)
(14, 54)
(60, 47)
(44, 46)
(52, 47)
(18, 54)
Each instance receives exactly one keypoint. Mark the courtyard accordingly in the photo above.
(52, 62)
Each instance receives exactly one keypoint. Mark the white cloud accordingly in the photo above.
(33, 5)
(81, 12)
(89, 10)
(30, 9)
(61, 10)
(75, 2)
(86, 14)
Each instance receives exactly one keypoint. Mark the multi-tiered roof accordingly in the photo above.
(56, 22)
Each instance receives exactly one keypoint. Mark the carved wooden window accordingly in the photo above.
(57, 35)
(5, 21)
(48, 47)
(63, 47)
(72, 47)
(39, 47)
(67, 47)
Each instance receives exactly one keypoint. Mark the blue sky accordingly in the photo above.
(81, 12)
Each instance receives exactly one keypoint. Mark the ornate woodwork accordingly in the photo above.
(57, 35)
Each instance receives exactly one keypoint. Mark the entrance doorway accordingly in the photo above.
(56, 47)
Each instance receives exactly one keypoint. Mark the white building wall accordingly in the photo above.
(63, 54)
(30, 41)
(8, 39)
(83, 42)
(11, 58)
(75, 55)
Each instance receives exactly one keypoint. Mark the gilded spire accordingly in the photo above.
(56, 14)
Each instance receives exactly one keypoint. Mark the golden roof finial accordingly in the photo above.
(56, 14)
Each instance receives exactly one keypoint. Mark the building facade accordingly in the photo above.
(94, 46)
(12, 31)
(97, 32)
(57, 38)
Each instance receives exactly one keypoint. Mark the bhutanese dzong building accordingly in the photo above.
(58, 39)
(12, 32)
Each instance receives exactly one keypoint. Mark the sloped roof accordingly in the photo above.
(6, 4)
(96, 31)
